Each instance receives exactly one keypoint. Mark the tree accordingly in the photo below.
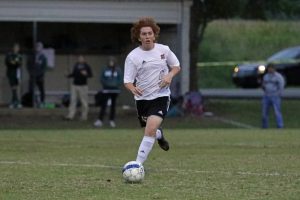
(255, 9)
(202, 12)
(270, 9)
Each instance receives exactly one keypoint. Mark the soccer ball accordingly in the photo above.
(133, 172)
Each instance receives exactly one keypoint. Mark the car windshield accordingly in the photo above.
(285, 54)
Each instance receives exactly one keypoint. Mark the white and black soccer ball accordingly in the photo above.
(133, 172)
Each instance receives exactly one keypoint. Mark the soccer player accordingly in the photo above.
(149, 70)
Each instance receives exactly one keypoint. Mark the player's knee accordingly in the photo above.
(151, 132)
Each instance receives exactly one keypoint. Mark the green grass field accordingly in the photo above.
(201, 164)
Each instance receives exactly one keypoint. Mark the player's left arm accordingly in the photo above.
(167, 79)
(174, 65)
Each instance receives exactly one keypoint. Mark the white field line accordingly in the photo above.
(234, 123)
(58, 164)
(245, 173)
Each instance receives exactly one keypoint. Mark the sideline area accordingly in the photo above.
(35, 118)
(218, 113)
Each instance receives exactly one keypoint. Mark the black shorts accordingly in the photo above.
(13, 81)
(158, 107)
(12, 77)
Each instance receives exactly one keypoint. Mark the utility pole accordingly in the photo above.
(34, 41)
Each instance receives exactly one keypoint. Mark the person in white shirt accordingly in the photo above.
(149, 70)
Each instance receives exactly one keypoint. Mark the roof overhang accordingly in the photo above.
(93, 11)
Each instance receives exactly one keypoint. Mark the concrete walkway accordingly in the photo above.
(289, 93)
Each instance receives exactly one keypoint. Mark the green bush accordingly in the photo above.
(236, 40)
(215, 77)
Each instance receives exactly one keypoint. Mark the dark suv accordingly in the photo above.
(286, 62)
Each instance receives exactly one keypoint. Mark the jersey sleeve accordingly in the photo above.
(172, 60)
(130, 71)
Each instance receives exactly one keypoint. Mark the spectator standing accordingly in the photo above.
(13, 62)
(79, 88)
(273, 86)
(37, 66)
(111, 80)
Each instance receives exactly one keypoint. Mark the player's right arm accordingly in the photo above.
(130, 73)
(134, 90)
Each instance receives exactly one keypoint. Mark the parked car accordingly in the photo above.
(286, 62)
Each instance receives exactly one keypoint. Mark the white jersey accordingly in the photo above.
(146, 69)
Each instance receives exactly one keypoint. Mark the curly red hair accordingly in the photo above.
(143, 22)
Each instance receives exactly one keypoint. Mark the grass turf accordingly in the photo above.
(202, 164)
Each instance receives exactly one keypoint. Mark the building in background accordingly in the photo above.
(95, 28)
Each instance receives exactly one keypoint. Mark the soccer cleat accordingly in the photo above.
(163, 143)
(98, 123)
(112, 124)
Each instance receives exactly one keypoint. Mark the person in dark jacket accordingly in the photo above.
(13, 62)
(111, 80)
(79, 89)
(37, 66)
